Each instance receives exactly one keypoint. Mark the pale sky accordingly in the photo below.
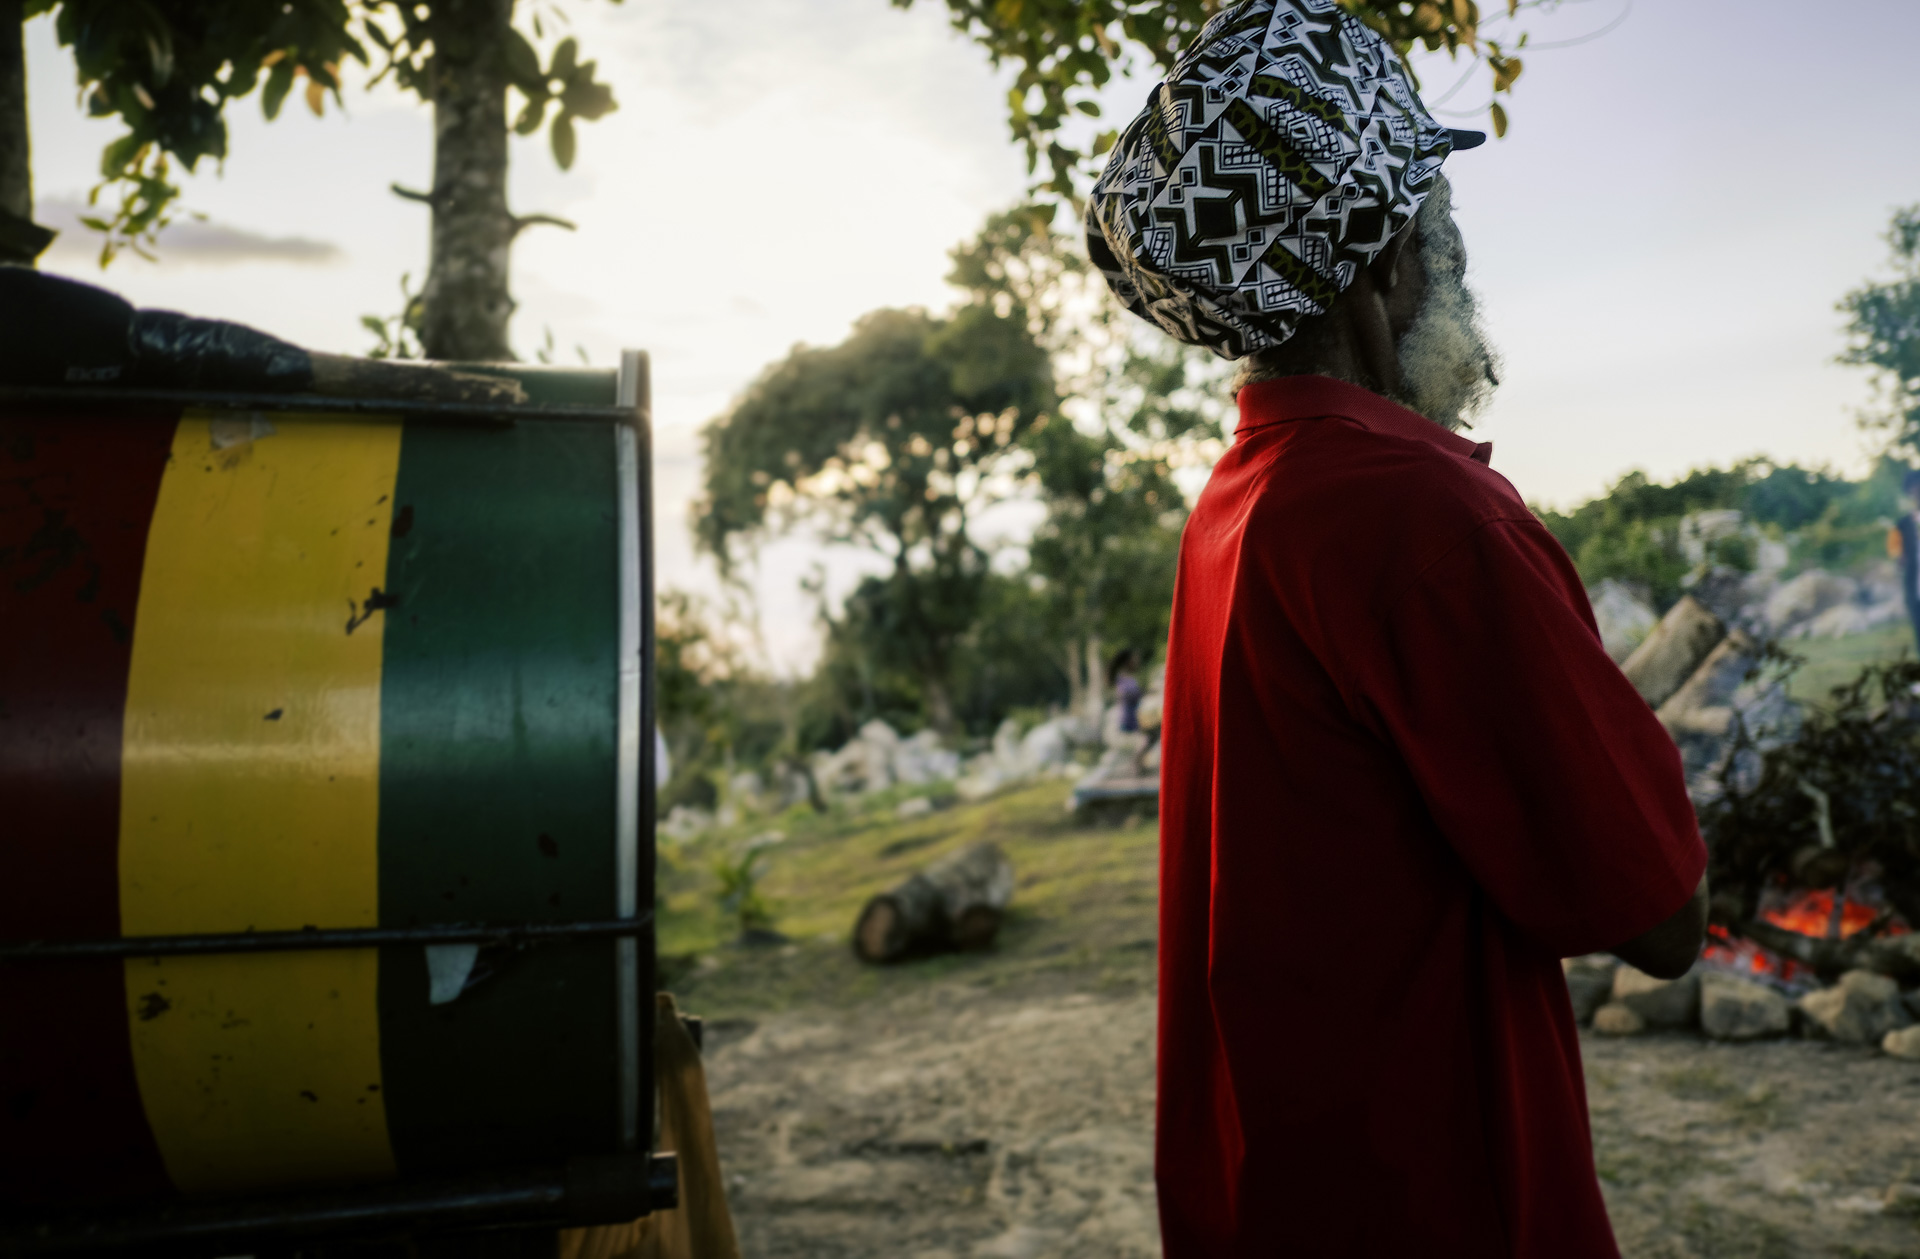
(1659, 242)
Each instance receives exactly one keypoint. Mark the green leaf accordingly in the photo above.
(115, 157)
(379, 36)
(374, 324)
(523, 63)
(563, 141)
(531, 116)
(96, 223)
(279, 83)
(565, 58)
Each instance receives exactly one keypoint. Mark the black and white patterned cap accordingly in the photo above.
(1278, 159)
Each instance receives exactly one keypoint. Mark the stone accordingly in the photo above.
(1589, 983)
(1616, 1019)
(1045, 745)
(684, 822)
(1805, 597)
(1897, 957)
(1734, 1009)
(1859, 1010)
(1904, 1043)
(1623, 616)
(1664, 1003)
(913, 807)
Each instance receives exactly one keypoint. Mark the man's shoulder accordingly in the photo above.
(1341, 467)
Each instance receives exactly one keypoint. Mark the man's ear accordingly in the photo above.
(1385, 267)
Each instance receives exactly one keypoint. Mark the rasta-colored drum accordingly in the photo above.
(325, 819)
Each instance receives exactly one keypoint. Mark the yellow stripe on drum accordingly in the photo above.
(250, 799)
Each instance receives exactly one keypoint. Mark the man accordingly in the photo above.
(1903, 542)
(1401, 778)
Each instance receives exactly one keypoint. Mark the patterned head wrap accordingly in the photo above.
(1278, 159)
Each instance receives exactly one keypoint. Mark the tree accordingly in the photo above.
(1067, 50)
(462, 56)
(889, 441)
(165, 68)
(1884, 322)
(1103, 557)
(168, 68)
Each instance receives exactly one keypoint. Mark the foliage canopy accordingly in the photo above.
(1884, 324)
(1067, 50)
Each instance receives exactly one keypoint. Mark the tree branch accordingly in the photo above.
(521, 222)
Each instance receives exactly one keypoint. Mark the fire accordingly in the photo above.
(1808, 913)
(1740, 956)
(1811, 914)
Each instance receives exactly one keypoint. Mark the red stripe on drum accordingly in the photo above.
(76, 496)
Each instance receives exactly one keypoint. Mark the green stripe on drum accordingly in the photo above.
(497, 790)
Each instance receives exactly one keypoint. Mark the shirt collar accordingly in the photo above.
(1316, 397)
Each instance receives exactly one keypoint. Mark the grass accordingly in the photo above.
(1082, 913)
(1832, 662)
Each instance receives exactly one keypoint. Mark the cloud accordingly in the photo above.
(191, 242)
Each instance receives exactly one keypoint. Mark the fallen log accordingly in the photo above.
(1678, 644)
(955, 903)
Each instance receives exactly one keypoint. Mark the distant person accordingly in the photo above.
(1123, 676)
(1401, 779)
(1904, 542)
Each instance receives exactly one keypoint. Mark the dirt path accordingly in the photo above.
(955, 1123)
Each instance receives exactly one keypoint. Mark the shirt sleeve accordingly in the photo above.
(1542, 766)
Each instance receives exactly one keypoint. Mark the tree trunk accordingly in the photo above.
(20, 240)
(1076, 677)
(1096, 711)
(16, 175)
(465, 304)
(1684, 637)
(933, 689)
(955, 903)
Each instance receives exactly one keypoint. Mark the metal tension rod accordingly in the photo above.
(316, 938)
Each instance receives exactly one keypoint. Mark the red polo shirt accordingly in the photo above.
(1401, 780)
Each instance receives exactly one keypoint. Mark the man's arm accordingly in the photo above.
(1667, 951)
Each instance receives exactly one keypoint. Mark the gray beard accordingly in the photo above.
(1448, 369)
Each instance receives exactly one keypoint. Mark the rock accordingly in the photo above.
(1045, 745)
(1734, 1009)
(1615, 1019)
(1589, 983)
(1669, 1003)
(913, 807)
(1699, 530)
(683, 822)
(1904, 1043)
(1846, 619)
(1897, 957)
(1805, 597)
(1625, 619)
(1859, 1010)
(921, 759)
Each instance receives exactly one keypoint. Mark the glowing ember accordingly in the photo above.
(1811, 914)
(1740, 956)
(1807, 913)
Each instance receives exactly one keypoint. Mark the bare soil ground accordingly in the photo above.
(1000, 1105)
(962, 1123)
